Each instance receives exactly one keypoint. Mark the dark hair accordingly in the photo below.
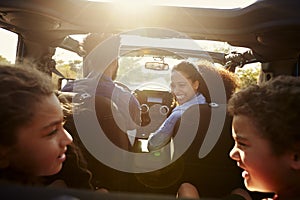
(191, 71)
(93, 39)
(20, 91)
(229, 79)
(274, 109)
(90, 42)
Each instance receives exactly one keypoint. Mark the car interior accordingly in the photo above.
(152, 39)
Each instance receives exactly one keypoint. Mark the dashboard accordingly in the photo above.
(156, 106)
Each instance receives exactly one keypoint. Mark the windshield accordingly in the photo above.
(137, 51)
(133, 74)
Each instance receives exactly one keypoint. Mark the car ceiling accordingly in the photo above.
(271, 28)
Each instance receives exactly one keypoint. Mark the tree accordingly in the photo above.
(248, 75)
(4, 60)
(69, 70)
(75, 65)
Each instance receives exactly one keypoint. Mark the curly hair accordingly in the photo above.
(274, 108)
(229, 79)
(21, 88)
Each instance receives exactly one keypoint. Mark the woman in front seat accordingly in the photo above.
(185, 85)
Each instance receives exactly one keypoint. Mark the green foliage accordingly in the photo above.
(248, 75)
(66, 70)
(223, 49)
(4, 60)
(75, 65)
(69, 70)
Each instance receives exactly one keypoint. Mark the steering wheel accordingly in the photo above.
(153, 86)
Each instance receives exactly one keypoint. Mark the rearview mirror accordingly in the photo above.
(157, 66)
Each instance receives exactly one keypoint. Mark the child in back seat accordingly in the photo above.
(33, 142)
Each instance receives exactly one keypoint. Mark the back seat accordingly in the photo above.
(215, 175)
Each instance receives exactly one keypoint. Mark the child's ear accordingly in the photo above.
(4, 162)
(295, 160)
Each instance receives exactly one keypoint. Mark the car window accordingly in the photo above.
(136, 51)
(249, 74)
(68, 65)
(8, 47)
(140, 50)
(132, 72)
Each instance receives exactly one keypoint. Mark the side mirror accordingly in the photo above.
(157, 66)
(62, 82)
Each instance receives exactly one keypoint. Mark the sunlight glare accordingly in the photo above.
(220, 4)
(131, 6)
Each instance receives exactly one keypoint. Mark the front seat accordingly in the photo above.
(106, 112)
(215, 175)
(102, 175)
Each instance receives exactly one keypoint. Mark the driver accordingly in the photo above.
(124, 100)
